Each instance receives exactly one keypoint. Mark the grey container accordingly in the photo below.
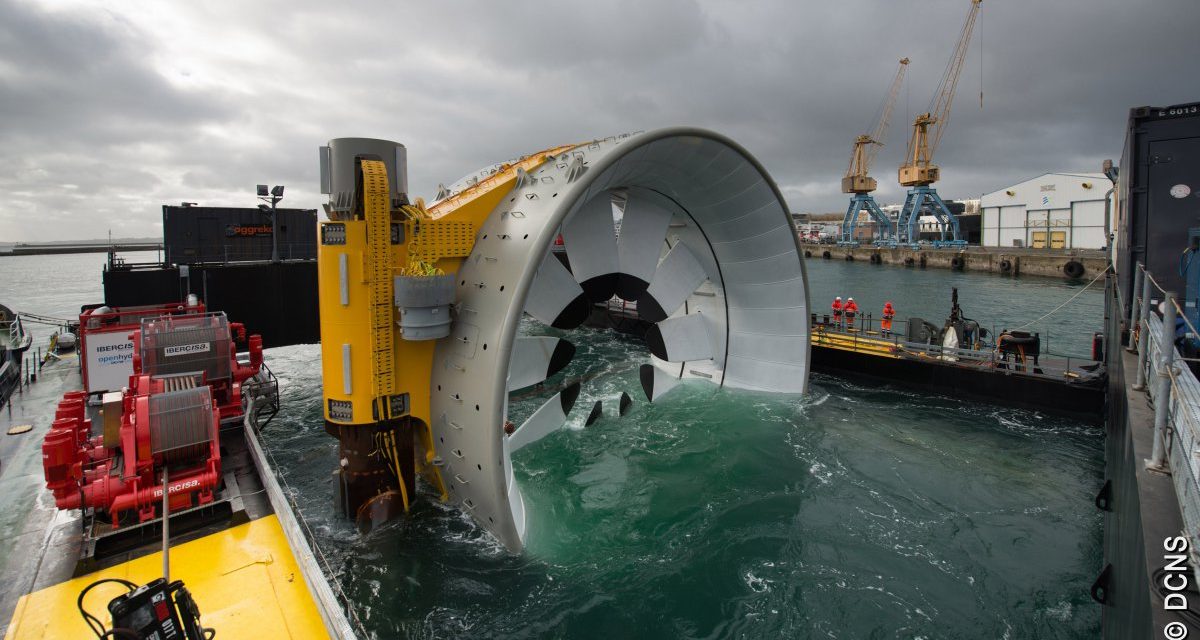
(424, 304)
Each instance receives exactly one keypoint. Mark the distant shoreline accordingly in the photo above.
(29, 249)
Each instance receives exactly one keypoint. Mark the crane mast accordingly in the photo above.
(867, 145)
(918, 170)
(858, 181)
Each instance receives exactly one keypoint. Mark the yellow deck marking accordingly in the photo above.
(857, 344)
(243, 579)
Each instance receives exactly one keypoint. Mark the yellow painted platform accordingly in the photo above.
(244, 580)
(858, 343)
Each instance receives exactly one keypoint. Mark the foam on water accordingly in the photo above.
(852, 512)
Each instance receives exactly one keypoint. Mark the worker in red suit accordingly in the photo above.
(851, 310)
(837, 312)
(889, 313)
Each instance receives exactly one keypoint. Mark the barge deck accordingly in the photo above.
(248, 566)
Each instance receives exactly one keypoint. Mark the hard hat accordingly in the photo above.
(850, 299)
(838, 298)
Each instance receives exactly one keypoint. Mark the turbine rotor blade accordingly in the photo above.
(554, 296)
(591, 245)
(597, 411)
(677, 277)
(536, 358)
(626, 403)
(656, 382)
(643, 232)
(549, 417)
(680, 339)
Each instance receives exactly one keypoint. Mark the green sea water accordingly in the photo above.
(857, 511)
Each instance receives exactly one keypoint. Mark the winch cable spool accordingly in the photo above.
(180, 424)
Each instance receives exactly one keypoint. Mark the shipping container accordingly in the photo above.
(195, 235)
(1159, 189)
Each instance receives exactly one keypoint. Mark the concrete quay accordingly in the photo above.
(1053, 263)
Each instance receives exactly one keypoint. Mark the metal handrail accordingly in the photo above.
(1176, 400)
(1175, 395)
(1049, 365)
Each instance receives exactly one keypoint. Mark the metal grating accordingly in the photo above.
(432, 240)
(377, 211)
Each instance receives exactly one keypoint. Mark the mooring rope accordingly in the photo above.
(1069, 300)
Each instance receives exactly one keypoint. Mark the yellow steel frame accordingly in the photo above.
(443, 236)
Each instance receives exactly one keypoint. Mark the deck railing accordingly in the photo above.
(1174, 392)
(1048, 365)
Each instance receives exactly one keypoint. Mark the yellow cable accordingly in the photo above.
(399, 474)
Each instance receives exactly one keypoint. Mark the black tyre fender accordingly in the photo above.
(957, 263)
(1021, 341)
(1073, 269)
(1005, 265)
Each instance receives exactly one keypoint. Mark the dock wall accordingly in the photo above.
(1030, 262)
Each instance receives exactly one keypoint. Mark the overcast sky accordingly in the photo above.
(110, 109)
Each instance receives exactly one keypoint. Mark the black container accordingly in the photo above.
(194, 235)
(278, 301)
(1159, 190)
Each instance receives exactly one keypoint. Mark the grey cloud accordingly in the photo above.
(209, 100)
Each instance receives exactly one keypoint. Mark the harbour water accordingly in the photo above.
(858, 511)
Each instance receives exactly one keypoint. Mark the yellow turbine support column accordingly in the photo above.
(366, 393)
(376, 382)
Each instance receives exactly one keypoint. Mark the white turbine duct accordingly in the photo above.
(731, 293)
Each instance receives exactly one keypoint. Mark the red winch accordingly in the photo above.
(199, 343)
(186, 381)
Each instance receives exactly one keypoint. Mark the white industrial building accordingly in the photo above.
(1051, 211)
